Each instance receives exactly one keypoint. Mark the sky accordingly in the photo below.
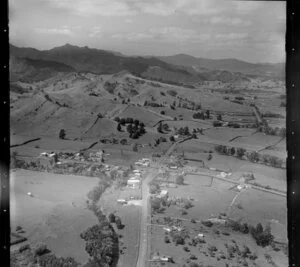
(253, 31)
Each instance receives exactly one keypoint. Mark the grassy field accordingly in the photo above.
(56, 214)
(211, 199)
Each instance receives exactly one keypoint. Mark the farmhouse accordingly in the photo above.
(133, 183)
(162, 194)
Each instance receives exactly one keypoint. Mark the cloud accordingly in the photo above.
(231, 36)
(95, 31)
(165, 34)
(188, 7)
(132, 7)
(94, 7)
(247, 7)
(57, 31)
(132, 36)
(228, 21)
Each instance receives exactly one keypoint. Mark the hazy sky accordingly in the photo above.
(247, 30)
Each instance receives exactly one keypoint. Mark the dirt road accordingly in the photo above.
(145, 212)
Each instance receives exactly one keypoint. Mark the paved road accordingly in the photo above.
(144, 220)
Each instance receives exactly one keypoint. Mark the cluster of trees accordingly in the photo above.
(217, 124)
(112, 218)
(102, 242)
(163, 127)
(135, 128)
(252, 156)
(263, 237)
(185, 131)
(202, 115)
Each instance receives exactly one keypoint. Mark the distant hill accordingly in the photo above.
(177, 69)
(232, 65)
(27, 69)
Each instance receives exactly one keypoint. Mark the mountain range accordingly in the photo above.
(34, 64)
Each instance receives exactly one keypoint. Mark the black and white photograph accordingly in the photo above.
(147, 133)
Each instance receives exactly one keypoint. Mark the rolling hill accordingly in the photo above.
(84, 59)
(231, 65)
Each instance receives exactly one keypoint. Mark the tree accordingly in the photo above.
(186, 130)
(219, 117)
(159, 128)
(119, 222)
(240, 152)
(172, 138)
(111, 218)
(62, 134)
(162, 112)
(119, 128)
(129, 128)
(135, 147)
(207, 114)
(180, 180)
(117, 119)
(123, 121)
(253, 156)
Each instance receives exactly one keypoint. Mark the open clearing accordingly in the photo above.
(56, 214)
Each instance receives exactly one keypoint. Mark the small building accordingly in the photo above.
(133, 183)
(122, 201)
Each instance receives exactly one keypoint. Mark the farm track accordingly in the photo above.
(237, 183)
(273, 145)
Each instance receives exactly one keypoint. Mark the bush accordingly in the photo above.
(41, 250)
(217, 124)
(162, 112)
(180, 180)
(118, 222)
(207, 223)
(111, 218)
(240, 152)
(166, 239)
(253, 156)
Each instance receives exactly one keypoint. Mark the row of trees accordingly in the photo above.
(273, 131)
(252, 156)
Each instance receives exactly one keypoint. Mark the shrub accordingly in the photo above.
(135, 147)
(217, 124)
(180, 180)
(41, 250)
(118, 222)
(166, 239)
(207, 223)
(111, 218)
(253, 156)
(240, 152)
(162, 112)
